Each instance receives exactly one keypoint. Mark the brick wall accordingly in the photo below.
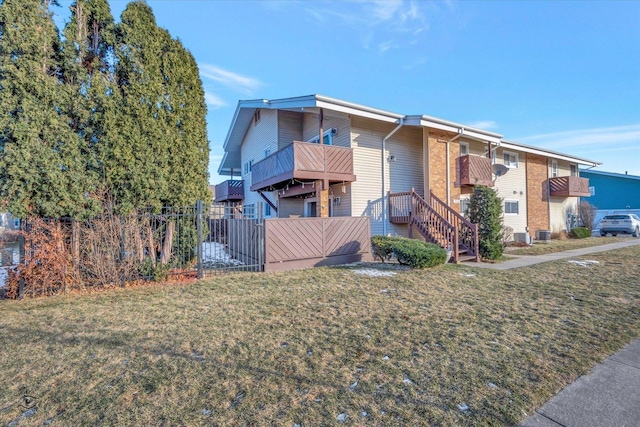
(437, 166)
(537, 193)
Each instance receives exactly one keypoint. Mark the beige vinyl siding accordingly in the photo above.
(561, 207)
(310, 128)
(403, 174)
(344, 208)
(289, 128)
(512, 187)
(260, 136)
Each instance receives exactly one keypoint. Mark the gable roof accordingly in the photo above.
(246, 109)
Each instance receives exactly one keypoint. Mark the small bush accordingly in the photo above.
(382, 247)
(580, 232)
(419, 254)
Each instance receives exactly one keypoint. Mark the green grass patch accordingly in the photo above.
(562, 245)
(305, 346)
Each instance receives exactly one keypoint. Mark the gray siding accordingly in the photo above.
(341, 138)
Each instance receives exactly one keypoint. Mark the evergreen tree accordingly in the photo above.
(485, 209)
(42, 171)
(87, 70)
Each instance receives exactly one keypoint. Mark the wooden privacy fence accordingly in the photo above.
(309, 242)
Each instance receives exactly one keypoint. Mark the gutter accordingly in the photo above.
(384, 170)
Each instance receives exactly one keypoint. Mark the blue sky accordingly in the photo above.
(562, 75)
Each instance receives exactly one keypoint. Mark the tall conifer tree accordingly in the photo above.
(42, 171)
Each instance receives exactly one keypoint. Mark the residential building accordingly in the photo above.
(612, 193)
(320, 156)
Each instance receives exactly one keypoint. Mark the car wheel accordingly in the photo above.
(603, 234)
(614, 234)
(636, 233)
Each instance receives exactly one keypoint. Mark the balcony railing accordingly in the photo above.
(475, 170)
(303, 161)
(231, 190)
(569, 186)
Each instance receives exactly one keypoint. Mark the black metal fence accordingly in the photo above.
(113, 250)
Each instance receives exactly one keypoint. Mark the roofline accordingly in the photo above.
(547, 153)
(449, 126)
(612, 174)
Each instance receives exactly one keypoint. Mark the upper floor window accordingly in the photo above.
(267, 152)
(327, 137)
(554, 169)
(256, 117)
(464, 149)
(493, 155)
(247, 166)
(510, 159)
(574, 170)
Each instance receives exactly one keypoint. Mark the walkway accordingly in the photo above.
(527, 260)
(608, 396)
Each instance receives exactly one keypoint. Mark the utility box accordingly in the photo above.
(522, 238)
(543, 235)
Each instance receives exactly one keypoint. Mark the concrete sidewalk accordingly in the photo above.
(527, 260)
(608, 396)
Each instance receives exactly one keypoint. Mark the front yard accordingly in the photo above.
(540, 248)
(329, 346)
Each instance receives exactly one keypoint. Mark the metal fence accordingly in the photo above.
(113, 250)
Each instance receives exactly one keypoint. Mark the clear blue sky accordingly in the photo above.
(563, 75)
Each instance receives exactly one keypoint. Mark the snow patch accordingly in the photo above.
(215, 255)
(374, 273)
(585, 263)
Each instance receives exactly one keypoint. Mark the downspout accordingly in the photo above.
(384, 169)
(448, 166)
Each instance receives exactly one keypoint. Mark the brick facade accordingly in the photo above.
(537, 193)
(437, 158)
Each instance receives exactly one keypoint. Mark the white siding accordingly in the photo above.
(259, 136)
(289, 128)
(401, 175)
(561, 208)
(513, 187)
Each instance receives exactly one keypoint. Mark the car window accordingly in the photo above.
(616, 217)
(635, 217)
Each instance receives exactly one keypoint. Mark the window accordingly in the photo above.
(510, 159)
(511, 207)
(246, 167)
(256, 117)
(464, 207)
(554, 169)
(267, 152)
(327, 137)
(574, 170)
(464, 149)
(267, 209)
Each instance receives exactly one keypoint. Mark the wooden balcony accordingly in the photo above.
(569, 186)
(303, 161)
(475, 170)
(231, 190)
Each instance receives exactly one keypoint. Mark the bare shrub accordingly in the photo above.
(46, 268)
(587, 214)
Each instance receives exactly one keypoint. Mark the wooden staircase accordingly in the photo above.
(437, 223)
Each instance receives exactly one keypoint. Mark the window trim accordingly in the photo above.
(517, 203)
(508, 163)
(247, 167)
(256, 116)
(554, 169)
(464, 144)
(266, 152)
(327, 133)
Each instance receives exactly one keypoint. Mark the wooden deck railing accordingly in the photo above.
(475, 170)
(569, 186)
(437, 222)
(230, 190)
(304, 161)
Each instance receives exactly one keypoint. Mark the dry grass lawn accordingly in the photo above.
(562, 245)
(448, 346)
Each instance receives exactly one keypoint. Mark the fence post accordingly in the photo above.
(200, 245)
(122, 252)
(21, 243)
